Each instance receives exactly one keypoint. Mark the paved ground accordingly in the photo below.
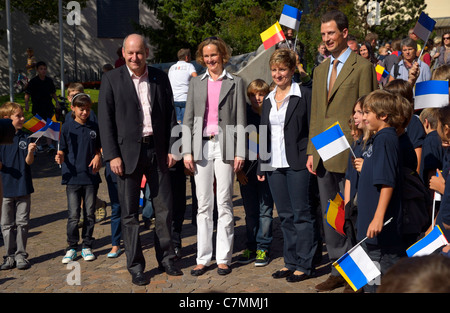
(47, 240)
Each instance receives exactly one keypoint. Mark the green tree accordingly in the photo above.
(397, 17)
(185, 23)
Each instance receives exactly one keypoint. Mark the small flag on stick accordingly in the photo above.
(50, 130)
(335, 214)
(428, 244)
(357, 268)
(424, 26)
(35, 123)
(331, 142)
(273, 35)
(290, 17)
(381, 72)
(431, 94)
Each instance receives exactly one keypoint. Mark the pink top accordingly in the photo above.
(211, 117)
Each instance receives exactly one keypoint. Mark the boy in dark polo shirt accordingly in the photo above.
(41, 90)
(80, 157)
(432, 151)
(15, 161)
(379, 190)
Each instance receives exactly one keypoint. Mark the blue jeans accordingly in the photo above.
(116, 227)
(258, 205)
(147, 210)
(179, 109)
(74, 195)
(290, 191)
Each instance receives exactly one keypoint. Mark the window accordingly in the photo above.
(115, 18)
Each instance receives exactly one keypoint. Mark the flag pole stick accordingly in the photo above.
(423, 49)
(385, 223)
(432, 214)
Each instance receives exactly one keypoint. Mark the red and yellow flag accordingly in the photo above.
(34, 124)
(335, 214)
(273, 35)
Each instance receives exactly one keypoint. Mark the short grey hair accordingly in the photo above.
(408, 42)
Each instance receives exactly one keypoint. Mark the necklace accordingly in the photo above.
(282, 95)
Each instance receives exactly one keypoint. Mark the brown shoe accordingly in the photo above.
(331, 283)
(349, 289)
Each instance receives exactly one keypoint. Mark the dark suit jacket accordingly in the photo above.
(296, 129)
(121, 118)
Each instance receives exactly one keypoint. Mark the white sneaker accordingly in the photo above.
(70, 256)
(87, 254)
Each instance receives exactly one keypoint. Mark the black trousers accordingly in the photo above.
(161, 192)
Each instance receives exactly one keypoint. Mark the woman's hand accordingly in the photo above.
(238, 164)
(189, 163)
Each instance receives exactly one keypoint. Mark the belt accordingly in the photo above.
(147, 139)
(210, 137)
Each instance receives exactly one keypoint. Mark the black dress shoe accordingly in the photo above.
(223, 271)
(177, 251)
(297, 278)
(171, 270)
(139, 279)
(282, 274)
(200, 271)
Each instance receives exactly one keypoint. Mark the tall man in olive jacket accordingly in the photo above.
(355, 77)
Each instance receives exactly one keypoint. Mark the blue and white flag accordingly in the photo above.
(331, 142)
(424, 26)
(431, 94)
(50, 130)
(357, 268)
(428, 244)
(290, 17)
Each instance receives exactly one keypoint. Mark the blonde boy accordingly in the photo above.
(15, 161)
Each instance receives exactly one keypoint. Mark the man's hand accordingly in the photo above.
(116, 166)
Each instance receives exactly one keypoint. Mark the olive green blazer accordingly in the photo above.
(356, 78)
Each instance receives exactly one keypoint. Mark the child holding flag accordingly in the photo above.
(80, 157)
(378, 183)
(15, 161)
(352, 175)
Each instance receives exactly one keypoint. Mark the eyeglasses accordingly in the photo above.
(445, 38)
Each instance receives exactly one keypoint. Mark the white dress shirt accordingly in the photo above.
(142, 87)
(276, 119)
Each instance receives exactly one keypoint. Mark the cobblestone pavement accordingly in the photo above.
(47, 240)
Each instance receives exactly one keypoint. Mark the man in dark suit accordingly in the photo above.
(338, 83)
(136, 116)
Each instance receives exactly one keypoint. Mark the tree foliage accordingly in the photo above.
(185, 23)
(397, 18)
